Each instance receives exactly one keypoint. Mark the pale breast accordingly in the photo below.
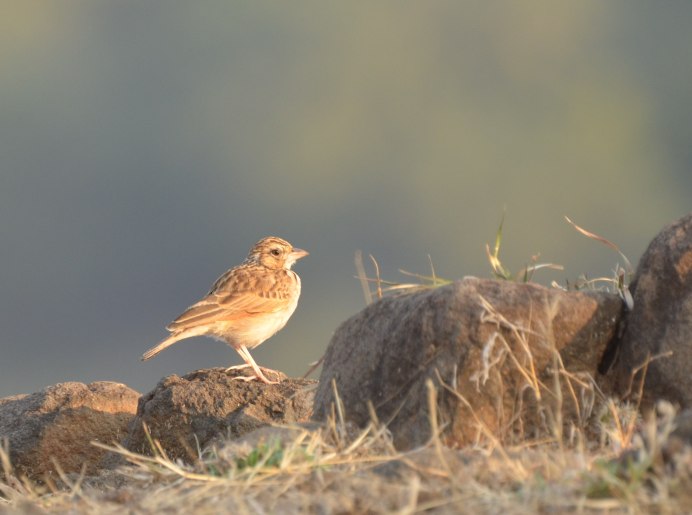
(256, 328)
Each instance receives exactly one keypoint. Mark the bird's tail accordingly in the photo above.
(161, 346)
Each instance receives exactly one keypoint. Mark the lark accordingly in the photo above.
(247, 305)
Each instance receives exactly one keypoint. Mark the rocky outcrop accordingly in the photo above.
(495, 351)
(656, 345)
(186, 413)
(57, 424)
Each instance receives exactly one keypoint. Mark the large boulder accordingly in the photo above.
(499, 347)
(657, 339)
(187, 413)
(58, 423)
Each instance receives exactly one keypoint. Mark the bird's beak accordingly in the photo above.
(296, 254)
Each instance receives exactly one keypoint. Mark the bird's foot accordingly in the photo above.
(237, 367)
(259, 375)
(247, 379)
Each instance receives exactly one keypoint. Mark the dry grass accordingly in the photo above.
(376, 287)
(337, 469)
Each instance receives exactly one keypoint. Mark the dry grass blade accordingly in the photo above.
(491, 315)
(643, 369)
(7, 469)
(12, 487)
(435, 431)
(362, 277)
(604, 241)
(313, 366)
(339, 410)
(159, 464)
(378, 280)
(527, 272)
(432, 280)
(384, 287)
(499, 271)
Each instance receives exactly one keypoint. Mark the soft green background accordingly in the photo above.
(145, 146)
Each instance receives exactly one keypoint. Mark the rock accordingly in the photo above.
(491, 342)
(186, 413)
(660, 322)
(59, 423)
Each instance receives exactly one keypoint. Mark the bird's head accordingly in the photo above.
(275, 253)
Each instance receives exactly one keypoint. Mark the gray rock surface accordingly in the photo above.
(187, 413)
(660, 322)
(496, 344)
(59, 422)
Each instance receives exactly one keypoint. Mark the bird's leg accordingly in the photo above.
(247, 365)
(249, 362)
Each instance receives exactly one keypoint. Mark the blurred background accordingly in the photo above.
(146, 146)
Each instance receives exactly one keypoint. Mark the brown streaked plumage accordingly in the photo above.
(246, 305)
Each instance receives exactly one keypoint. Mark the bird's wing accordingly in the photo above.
(239, 293)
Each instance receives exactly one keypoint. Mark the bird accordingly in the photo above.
(246, 305)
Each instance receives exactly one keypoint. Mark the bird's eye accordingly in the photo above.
(276, 252)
